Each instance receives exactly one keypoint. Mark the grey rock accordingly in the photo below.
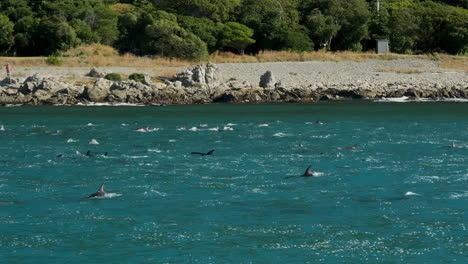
(147, 80)
(198, 75)
(10, 91)
(27, 88)
(99, 91)
(159, 85)
(211, 75)
(96, 73)
(267, 80)
(178, 84)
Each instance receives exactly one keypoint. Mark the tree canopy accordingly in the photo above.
(193, 29)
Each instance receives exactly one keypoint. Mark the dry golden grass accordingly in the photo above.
(24, 61)
(454, 63)
(96, 55)
(397, 70)
(275, 56)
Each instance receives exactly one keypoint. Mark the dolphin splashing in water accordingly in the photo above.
(307, 173)
(99, 193)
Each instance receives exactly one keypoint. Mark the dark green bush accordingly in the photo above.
(113, 77)
(53, 60)
(137, 77)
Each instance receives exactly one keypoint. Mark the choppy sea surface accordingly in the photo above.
(399, 196)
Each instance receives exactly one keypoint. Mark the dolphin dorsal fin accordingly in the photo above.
(308, 171)
(101, 189)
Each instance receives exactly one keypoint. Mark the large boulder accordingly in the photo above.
(96, 73)
(267, 80)
(198, 75)
(99, 91)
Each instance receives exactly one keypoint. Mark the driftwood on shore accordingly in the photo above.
(201, 84)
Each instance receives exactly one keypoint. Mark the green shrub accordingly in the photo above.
(53, 60)
(113, 77)
(137, 77)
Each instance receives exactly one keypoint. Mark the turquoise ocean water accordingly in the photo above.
(165, 205)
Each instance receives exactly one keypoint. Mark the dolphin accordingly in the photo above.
(92, 154)
(307, 173)
(351, 147)
(454, 145)
(99, 193)
(204, 154)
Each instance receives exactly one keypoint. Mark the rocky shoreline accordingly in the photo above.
(203, 84)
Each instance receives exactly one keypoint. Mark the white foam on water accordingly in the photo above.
(406, 99)
(156, 192)
(412, 194)
(94, 142)
(326, 136)
(107, 104)
(109, 195)
(135, 157)
(258, 190)
(203, 125)
(214, 129)
(459, 195)
(147, 130)
(124, 124)
(172, 140)
(280, 134)
(193, 129)
(182, 128)
(430, 179)
(403, 99)
(263, 125)
(90, 124)
(155, 150)
(318, 174)
(71, 140)
(2, 128)
(231, 124)
(228, 128)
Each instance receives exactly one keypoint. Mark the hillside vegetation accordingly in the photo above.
(192, 30)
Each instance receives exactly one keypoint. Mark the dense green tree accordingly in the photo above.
(44, 27)
(84, 32)
(6, 34)
(322, 28)
(236, 36)
(340, 24)
(217, 10)
(103, 21)
(272, 22)
(169, 39)
(25, 29)
(52, 36)
(206, 29)
(403, 30)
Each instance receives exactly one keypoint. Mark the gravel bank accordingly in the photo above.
(293, 74)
